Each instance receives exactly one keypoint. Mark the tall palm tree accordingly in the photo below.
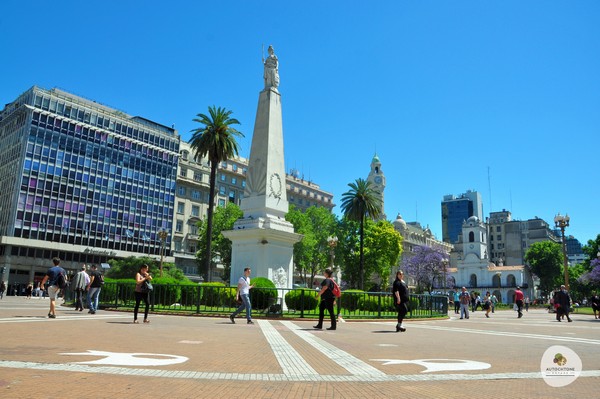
(361, 202)
(215, 139)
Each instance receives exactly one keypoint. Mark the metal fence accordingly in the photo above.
(269, 302)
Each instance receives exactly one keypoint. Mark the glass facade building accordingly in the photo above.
(455, 210)
(81, 181)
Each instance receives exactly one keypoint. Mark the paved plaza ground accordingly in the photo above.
(78, 355)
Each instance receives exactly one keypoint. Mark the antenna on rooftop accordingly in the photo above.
(490, 189)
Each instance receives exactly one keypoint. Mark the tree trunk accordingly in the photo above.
(209, 217)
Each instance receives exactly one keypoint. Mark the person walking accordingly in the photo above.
(94, 287)
(243, 296)
(327, 300)
(3, 288)
(595, 301)
(519, 301)
(494, 301)
(53, 289)
(487, 304)
(563, 300)
(141, 294)
(465, 301)
(527, 301)
(401, 299)
(80, 282)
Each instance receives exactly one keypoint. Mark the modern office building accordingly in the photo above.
(510, 239)
(81, 181)
(191, 202)
(455, 210)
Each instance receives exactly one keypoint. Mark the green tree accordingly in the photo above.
(383, 247)
(545, 259)
(128, 267)
(215, 139)
(591, 249)
(312, 253)
(224, 218)
(359, 203)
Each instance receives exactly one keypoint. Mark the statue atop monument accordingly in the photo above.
(271, 73)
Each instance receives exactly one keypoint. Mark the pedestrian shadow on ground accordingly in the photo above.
(384, 332)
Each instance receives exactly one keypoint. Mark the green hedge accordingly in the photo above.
(374, 303)
(302, 299)
(264, 293)
(350, 298)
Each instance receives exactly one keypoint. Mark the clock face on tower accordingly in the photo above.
(378, 179)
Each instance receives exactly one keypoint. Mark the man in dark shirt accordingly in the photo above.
(94, 289)
(53, 288)
(564, 303)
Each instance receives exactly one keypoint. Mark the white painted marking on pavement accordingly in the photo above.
(344, 359)
(197, 375)
(289, 359)
(130, 359)
(504, 333)
(434, 365)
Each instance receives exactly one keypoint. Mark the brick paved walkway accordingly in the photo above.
(79, 355)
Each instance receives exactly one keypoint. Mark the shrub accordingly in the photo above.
(167, 291)
(302, 299)
(374, 303)
(349, 299)
(213, 294)
(264, 293)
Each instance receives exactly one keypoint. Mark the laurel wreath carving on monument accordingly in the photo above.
(275, 185)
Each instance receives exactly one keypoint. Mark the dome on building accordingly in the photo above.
(375, 159)
(399, 223)
(473, 219)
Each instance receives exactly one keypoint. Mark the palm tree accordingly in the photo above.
(361, 202)
(215, 139)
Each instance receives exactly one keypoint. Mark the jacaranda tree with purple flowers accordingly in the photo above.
(426, 266)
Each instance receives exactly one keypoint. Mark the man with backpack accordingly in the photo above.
(55, 276)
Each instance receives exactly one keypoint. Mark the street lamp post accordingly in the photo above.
(332, 242)
(562, 222)
(162, 235)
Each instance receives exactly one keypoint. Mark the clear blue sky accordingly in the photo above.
(443, 91)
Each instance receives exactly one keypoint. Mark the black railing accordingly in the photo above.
(269, 302)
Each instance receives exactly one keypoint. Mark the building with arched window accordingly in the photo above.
(472, 268)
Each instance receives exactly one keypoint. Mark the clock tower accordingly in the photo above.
(377, 179)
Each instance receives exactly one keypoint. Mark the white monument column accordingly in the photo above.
(262, 239)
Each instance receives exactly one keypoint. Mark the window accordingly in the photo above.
(499, 237)
(471, 236)
(183, 172)
(223, 177)
(197, 176)
(196, 194)
(233, 180)
(180, 207)
(498, 228)
(177, 245)
(244, 183)
(221, 202)
(222, 190)
(179, 226)
(234, 167)
(181, 191)
(195, 210)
